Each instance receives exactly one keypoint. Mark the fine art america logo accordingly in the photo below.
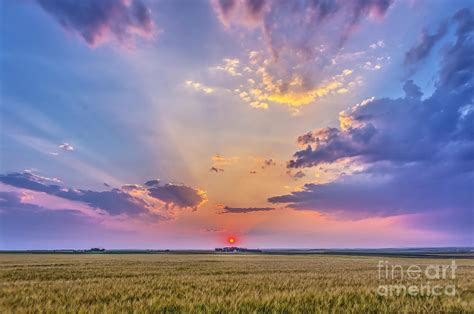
(416, 280)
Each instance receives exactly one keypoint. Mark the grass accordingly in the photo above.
(214, 283)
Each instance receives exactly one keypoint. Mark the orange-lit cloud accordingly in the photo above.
(230, 66)
(262, 82)
(200, 87)
(221, 160)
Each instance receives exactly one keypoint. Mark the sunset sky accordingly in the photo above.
(285, 124)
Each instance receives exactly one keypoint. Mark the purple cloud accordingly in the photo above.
(389, 190)
(101, 21)
(244, 210)
(464, 20)
(29, 226)
(294, 24)
(426, 43)
(132, 200)
(178, 195)
(414, 155)
(297, 175)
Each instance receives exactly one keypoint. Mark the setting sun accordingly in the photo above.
(231, 240)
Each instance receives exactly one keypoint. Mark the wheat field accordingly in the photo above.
(214, 283)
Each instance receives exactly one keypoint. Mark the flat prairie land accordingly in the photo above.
(220, 283)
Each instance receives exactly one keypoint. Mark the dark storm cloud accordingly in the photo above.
(417, 155)
(99, 21)
(115, 201)
(243, 210)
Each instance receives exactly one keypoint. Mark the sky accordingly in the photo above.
(285, 124)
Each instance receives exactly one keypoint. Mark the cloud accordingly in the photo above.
(24, 225)
(299, 35)
(243, 210)
(154, 182)
(457, 64)
(214, 230)
(132, 200)
(268, 163)
(412, 90)
(267, 82)
(425, 44)
(16, 215)
(246, 12)
(67, 147)
(328, 145)
(395, 130)
(97, 22)
(389, 191)
(295, 25)
(297, 175)
(200, 87)
(413, 155)
(222, 160)
(294, 92)
(216, 169)
(12, 200)
(378, 44)
(114, 202)
(230, 66)
(463, 20)
(371, 66)
(296, 98)
(178, 195)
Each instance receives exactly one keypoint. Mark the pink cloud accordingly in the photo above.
(98, 22)
(293, 23)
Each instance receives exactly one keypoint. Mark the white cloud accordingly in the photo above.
(67, 147)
